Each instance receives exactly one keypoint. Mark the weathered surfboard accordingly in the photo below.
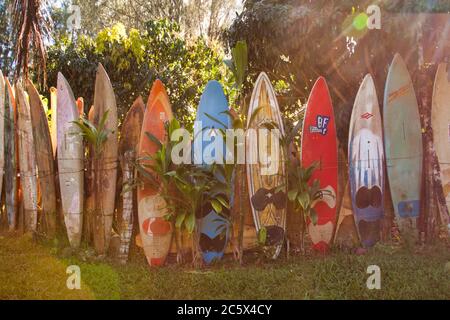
(53, 106)
(403, 145)
(27, 159)
(214, 227)
(129, 140)
(11, 180)
(105, 101)
(266, 170)
(2, 128)
(156, 232)
(70, 162)
(440, 122)
(366, 163)
(319, 145)
(44, 160)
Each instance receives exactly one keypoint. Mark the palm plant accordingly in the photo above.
(185, 188)
(238, 66)
(304, 193)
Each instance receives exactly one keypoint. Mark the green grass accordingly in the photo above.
(35, 271)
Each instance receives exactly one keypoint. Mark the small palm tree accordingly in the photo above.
(184, 187)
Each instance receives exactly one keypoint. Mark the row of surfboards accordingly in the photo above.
(395, 143)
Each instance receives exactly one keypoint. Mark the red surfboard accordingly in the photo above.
(319, 144)
(155, 230)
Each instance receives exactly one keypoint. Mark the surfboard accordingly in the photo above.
(104, 100)
(319, 145)
(214, 227)
(156, 232)
(27, 159)
(53, 130)
(403, 145)
(266, 170)
(11, 180)
(129, 140)
(440, 122)
(366, 163)
(70, 162)
(44, 160)
(2, 128)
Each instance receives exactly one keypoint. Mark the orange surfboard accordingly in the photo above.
(156, 232)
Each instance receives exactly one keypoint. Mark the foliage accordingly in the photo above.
(302, 192)
(134, 59)
(95, 136)
(196, 17)
(185, 187)
(295, 41)
(6, 39)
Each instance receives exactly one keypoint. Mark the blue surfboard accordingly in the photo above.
(209, 147)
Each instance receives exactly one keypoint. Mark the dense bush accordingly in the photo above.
(135, 59)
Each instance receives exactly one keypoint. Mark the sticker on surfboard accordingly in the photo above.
(321, 125)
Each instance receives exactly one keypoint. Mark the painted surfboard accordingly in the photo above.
(2, 128)
(53, 130)
(11, 180)
(156, 232)
(44, 160)
(403, 145)
(129, 140)
(366, 163)
(70, 162)
(319, 145)
(266, 171)
(27, 159)
(440, 122)
(105, 101)
(214, 227)
(346, 235)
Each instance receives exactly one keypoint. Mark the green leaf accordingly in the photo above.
(216, 205)
(190, 223)
(223, 202)
(216, 120)
(240, 61)
(179, 220)
(154, 139)
(173, 125)
(304, 200)
(292, 194)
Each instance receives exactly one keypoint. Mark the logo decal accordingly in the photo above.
(366, 115)
(321, 125)
(398, 93)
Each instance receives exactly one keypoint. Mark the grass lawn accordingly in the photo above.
(29, 270)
